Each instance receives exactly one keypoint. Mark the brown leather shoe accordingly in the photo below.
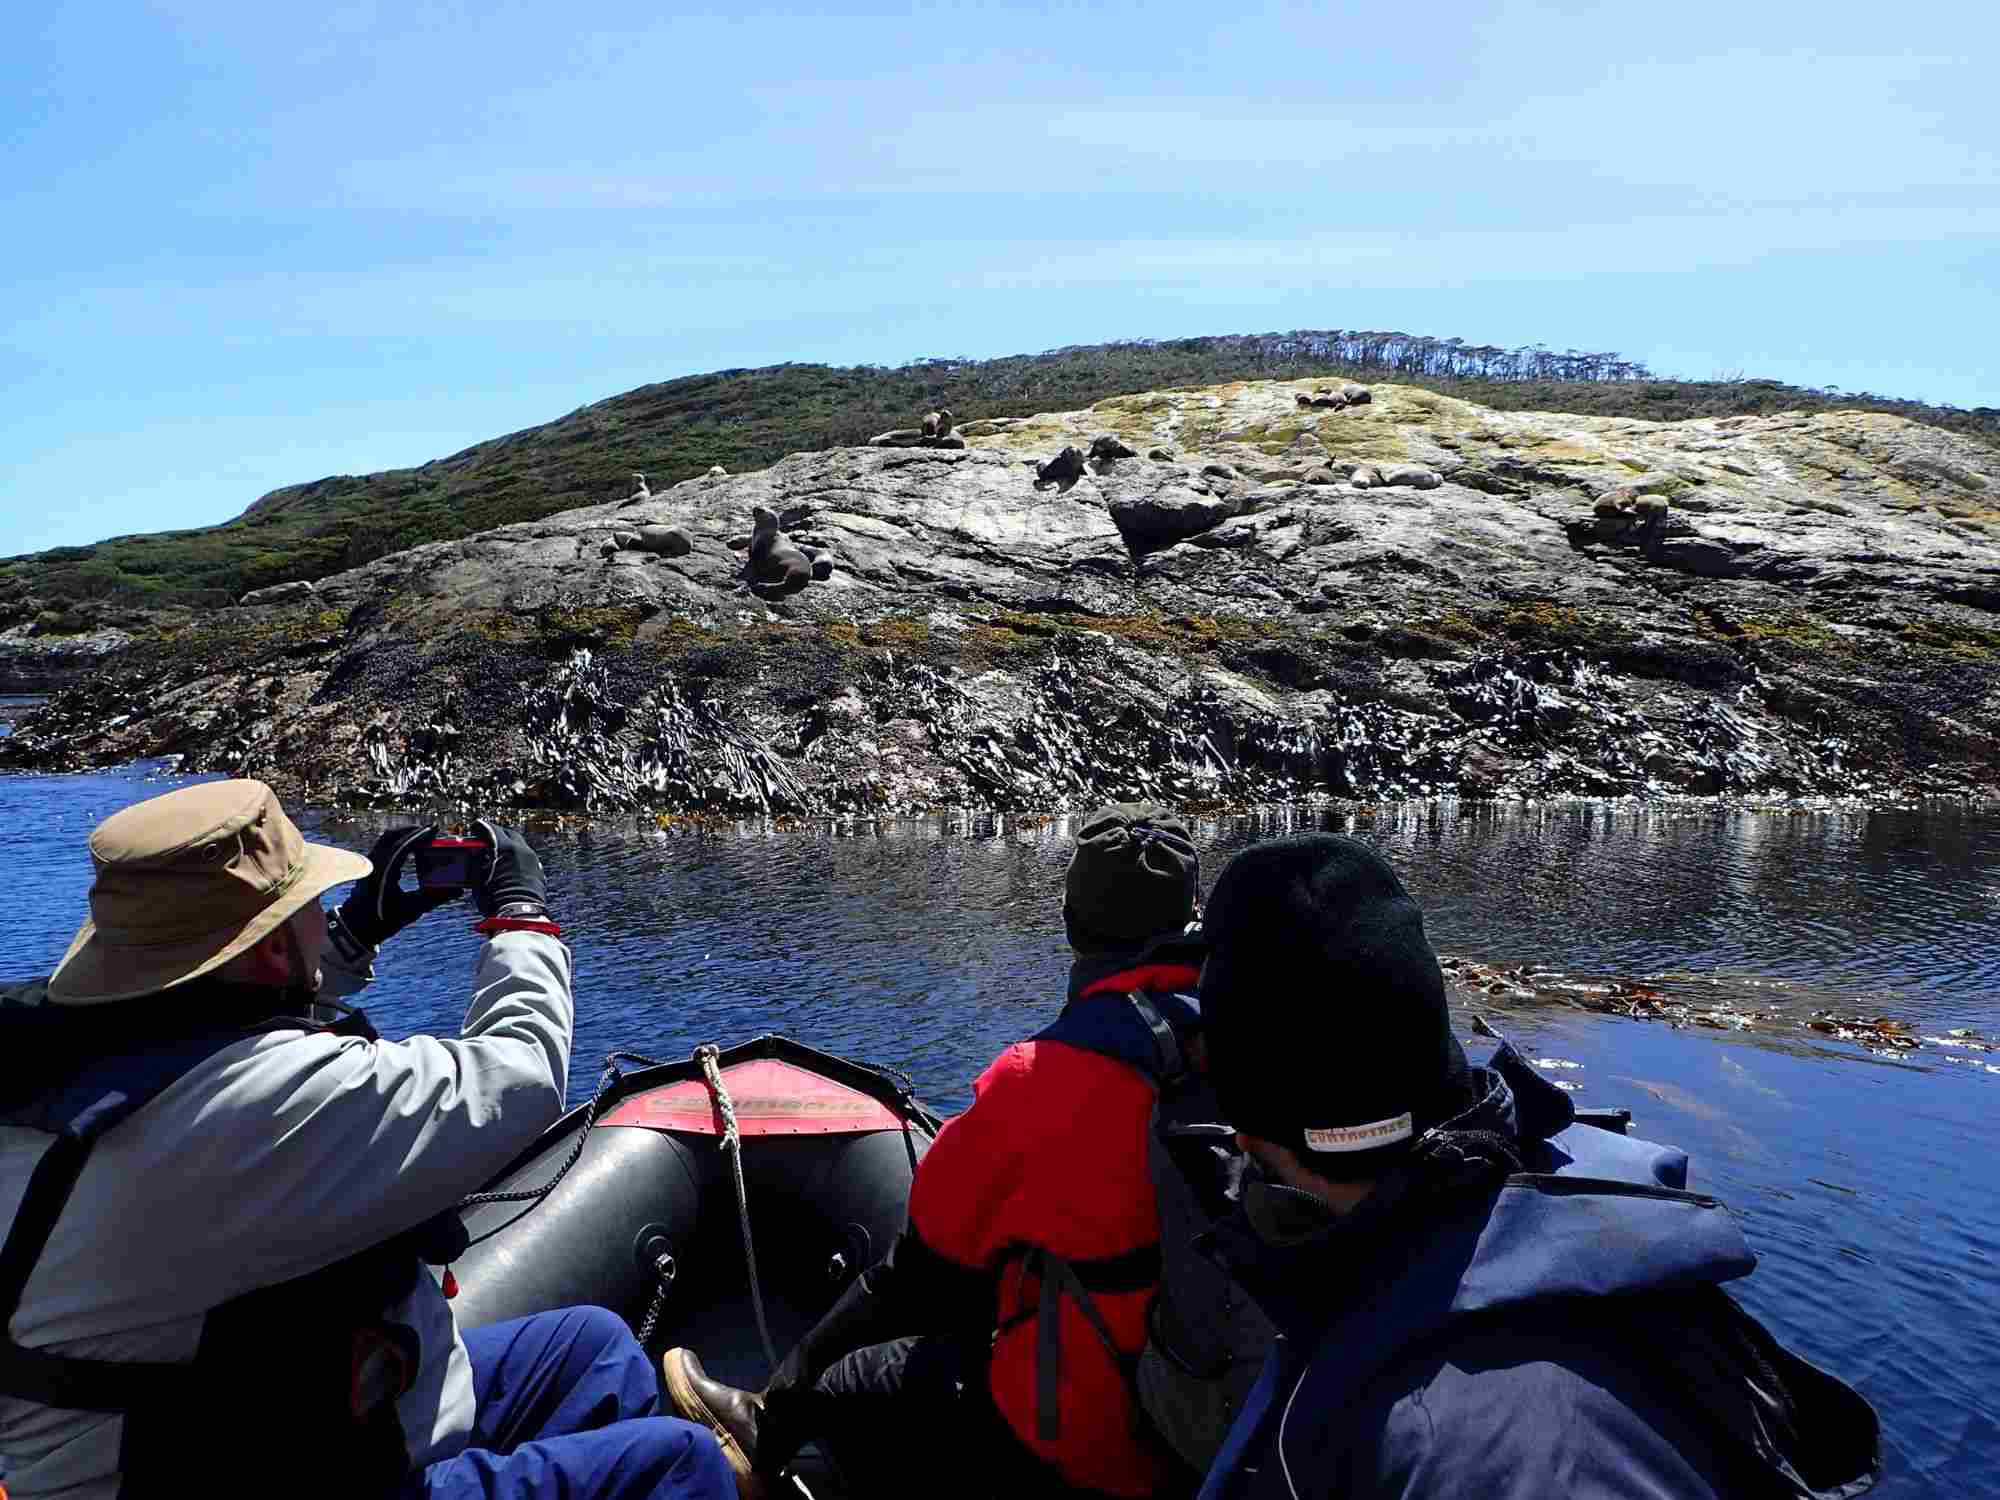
(725, 1411)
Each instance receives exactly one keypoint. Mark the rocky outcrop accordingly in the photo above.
(40, 661)
(1816, 612)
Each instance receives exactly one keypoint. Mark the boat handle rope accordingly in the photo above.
(709, 1056)
(607, 1081)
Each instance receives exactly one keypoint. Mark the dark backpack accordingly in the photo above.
(1205, 1340)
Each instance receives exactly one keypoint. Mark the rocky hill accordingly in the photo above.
(1410, 596)
(746, 419)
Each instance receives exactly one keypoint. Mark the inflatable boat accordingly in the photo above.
(722, 1202)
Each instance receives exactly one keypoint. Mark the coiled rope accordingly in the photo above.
(709, 1056)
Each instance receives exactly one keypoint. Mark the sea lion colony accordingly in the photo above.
(1346, 396)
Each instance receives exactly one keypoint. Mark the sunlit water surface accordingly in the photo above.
(1867, 1185)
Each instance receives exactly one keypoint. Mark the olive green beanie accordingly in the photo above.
(1134, 876)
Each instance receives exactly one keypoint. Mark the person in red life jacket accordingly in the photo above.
(936, 1362)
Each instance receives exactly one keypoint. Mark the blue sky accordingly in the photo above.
(244, 245)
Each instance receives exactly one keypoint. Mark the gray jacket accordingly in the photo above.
(280, 1155)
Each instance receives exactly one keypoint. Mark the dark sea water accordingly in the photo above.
(1869, 1186)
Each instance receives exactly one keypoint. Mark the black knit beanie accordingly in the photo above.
(1324, 1006)
(1132, 878)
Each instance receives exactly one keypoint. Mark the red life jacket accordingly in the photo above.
(1053, 1155)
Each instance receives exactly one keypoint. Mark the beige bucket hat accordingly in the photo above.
(187, 881)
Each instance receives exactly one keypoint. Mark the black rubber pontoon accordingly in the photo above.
(829, 1148)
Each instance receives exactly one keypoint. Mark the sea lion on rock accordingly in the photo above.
(1356, 395)
(1106, 450)
(938, 423)
(1412, 476)
(1333, 399)
(716, 471)
(773, 558)
(667, 541)
(1064, 469)
(1365, 477)
(640, 489)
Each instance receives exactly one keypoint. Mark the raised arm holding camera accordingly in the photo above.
(229, 1222)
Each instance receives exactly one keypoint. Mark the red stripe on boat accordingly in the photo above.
(772, 1098)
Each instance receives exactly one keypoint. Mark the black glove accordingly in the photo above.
(513, 876)
(379, 907)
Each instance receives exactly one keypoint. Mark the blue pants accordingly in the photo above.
(569, 1409)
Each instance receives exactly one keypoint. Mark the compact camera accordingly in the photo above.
(452, 862)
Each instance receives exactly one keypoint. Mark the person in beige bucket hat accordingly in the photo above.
(229, 1220)
(187, 882)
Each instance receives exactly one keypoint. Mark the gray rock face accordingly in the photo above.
(279, 593)
(1828, 621)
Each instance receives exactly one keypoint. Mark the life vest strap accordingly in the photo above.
(1169, 1061)
(1058, 1277)
(54, 1379)
(79, 1114)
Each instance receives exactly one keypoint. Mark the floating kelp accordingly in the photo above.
(1885, 1036)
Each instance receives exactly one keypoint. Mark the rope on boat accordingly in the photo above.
(607, 1081)
(709, 1056)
